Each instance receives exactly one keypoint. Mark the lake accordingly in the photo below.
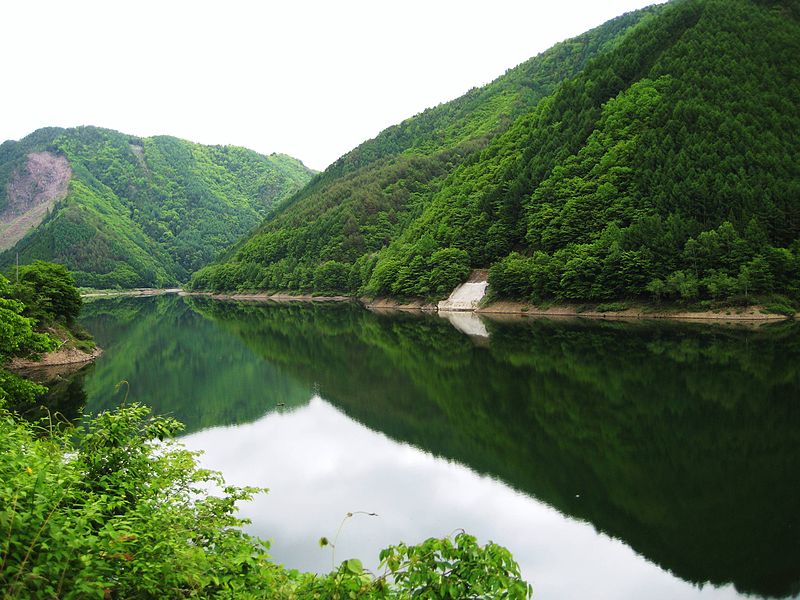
(615, 460)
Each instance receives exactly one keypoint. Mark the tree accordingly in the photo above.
(332, 277)
(48, 292)
(511, 276)
(448, 267)
(682, 284)
(719, 284)
(17, 338)
(656, 287)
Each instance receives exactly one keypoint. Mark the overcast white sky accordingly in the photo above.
(310, 78)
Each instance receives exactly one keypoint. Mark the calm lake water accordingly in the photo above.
(615, 460)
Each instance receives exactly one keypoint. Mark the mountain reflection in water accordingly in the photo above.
(681, 441)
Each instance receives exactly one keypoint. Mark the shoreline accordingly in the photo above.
(135, 292)
(266, 297)
(498, 307)
(58, 358)
(746, 313)
(388, 304)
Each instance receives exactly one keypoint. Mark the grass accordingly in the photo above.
(612, 307)
(74, 336)
(778, 308)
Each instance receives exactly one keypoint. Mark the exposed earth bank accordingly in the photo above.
(63, 356)
(499, 307)
(744, 313)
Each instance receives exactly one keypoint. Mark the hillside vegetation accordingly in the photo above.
(660, 161)
(138, 211)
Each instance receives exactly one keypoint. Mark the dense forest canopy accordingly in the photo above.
(139, 211)
(656, 156)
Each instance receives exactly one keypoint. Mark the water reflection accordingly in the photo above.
(321, 465)
(65, 398)
(181, 364)
(680, 441)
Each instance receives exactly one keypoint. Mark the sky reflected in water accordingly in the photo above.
(320, 465)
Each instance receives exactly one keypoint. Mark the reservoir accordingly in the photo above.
(616, 460)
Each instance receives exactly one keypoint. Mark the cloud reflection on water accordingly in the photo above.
(320, 465)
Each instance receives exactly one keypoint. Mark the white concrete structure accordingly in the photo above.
(468, 294)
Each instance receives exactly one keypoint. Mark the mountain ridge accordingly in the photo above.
(138, 211)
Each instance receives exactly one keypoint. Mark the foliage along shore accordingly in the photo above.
(38, 327)
(113, 509)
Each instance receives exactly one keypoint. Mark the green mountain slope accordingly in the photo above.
(665, 165)
(128, 211)
(327, 235)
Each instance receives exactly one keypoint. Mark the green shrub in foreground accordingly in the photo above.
(111, 510)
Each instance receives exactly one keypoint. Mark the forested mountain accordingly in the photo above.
(327, 236)
(658, 155)
(128, 211)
